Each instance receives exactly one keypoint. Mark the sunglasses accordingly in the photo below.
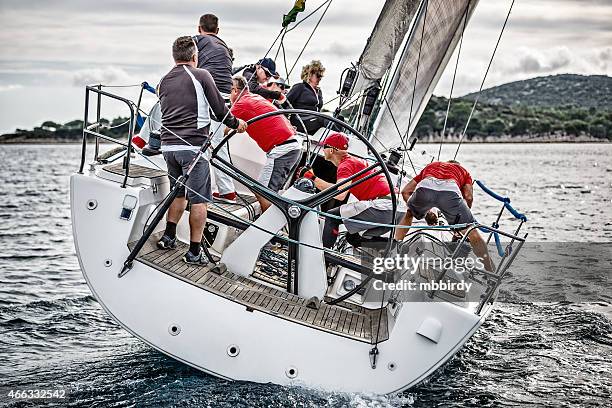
(319, 76)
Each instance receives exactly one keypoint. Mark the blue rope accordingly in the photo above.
(505, 200)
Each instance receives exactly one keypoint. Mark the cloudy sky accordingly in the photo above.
(49, 49)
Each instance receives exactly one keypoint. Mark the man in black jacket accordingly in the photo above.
(187, 95)
(216, 57)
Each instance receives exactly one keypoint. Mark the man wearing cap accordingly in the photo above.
(278, 85)
(274, 135)
(259, 75)
(216, 57)
(374, 194)
(448, 187)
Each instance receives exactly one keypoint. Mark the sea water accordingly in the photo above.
(539, 347)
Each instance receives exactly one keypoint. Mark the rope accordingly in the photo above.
(331, 100)
(483, 80)
(116, 126)
(325, 214)
(402, 141)
(329, 2)
(274, 42)
(416, 74)
(450, 96)
(120, 86)
(309, 15)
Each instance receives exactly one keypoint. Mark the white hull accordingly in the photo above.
(148, 303)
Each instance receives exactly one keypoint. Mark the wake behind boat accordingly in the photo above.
(274, 304)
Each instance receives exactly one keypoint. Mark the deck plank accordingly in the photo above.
(345, 319)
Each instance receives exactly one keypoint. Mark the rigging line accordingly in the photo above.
(380, 312)
(116, 126)
(483, 80)
(280, 44)
(416, 74)
(401, 140)
(275, 40)
(120, 86)
(331, 100)
(310, 37)
(404, 139)
(285, 62)
(313, 155)
(450, 96)
(321, 213)
(309, 15)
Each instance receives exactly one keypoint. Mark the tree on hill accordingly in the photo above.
(495, 127)
(575, 127)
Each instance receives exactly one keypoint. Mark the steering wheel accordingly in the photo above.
(311, 202)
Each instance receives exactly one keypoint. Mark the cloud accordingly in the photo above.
(535, 62)
(10, 87)
(105, 75)
(344, 50)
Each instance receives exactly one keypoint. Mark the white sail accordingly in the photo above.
(438, 24)
(386, 38)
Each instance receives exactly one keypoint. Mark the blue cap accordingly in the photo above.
(269, 65)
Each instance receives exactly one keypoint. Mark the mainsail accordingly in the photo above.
(386, 38)
(438, 25)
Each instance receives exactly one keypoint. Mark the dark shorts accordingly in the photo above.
(279, 163)
(379, 211)
(199, 189)
(452, 205)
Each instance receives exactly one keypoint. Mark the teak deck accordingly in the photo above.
(345, 320)
(136, 171)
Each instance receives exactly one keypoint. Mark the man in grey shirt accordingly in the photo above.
(215, 56)
(187, 96)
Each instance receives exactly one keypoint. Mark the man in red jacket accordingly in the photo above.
(274, 135)
(448, 187)
(374, 194)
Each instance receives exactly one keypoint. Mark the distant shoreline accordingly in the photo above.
(534, 141)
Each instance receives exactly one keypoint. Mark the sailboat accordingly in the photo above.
(275, 306)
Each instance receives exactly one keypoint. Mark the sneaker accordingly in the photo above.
(200, 259)
(166, 242)
(226, 197)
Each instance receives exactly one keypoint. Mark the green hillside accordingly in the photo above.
(566, 90)
(530, 108)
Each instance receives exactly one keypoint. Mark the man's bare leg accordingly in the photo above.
(175, 212)
(480, 249)
(263, 203)
(400, 233)
(197, 221)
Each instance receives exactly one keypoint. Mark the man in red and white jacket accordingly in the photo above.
(374, 195)
(274, 135)
(448, 187)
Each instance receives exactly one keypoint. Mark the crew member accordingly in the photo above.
(186, 95)
(448, 187)
(274, 135)
(374, 194)
(216, 57)
(258, 76)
